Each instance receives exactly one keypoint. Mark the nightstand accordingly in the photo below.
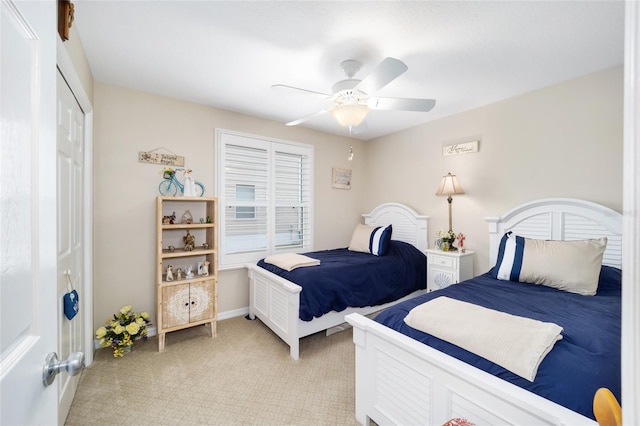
(448, 267)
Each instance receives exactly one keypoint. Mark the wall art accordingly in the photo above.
(460, 148)
(341, 178)
(157, 158)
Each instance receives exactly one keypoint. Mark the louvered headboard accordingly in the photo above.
(560, 219)
(408, 226)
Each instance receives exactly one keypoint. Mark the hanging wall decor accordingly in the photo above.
(460, 148)
(65, 18)
(341, 178)
(154, 157)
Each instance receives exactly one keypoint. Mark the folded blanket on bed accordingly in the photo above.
(516, 343)
(291, 261)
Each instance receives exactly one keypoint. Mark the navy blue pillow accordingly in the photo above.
(379, 240)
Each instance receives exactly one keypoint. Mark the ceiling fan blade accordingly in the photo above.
(388, 70)
(308, 117)
(401, 104)
(303, 91)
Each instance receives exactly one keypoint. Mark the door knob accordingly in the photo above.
(72, 365)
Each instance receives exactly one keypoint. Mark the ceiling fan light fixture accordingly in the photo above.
(350, 115)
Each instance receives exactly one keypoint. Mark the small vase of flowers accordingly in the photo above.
(120, 332)
(447, 239)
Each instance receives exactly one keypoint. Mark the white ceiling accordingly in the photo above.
(227, 54)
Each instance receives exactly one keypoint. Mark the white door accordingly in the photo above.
(70, 214)
(28, 301)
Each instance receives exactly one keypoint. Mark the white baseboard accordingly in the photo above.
(234, 313)
(152, 330)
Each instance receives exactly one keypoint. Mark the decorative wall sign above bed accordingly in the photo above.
(460, 148)
(341, 178)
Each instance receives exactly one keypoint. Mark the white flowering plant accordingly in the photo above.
(448, 236)
(120, 332)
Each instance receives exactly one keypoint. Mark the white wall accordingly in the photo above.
(128, 121)
(562, 141)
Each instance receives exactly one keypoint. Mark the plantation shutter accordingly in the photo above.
(292, 200)
(245, 218)
(265, 191)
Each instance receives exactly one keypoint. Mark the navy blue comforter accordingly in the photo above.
(587, 357)
(346, 278)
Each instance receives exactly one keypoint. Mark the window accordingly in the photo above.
(245, 193)
(264, 189)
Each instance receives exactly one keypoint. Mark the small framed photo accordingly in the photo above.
(200, 268)
(341, 178)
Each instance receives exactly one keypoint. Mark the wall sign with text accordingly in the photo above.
(164, 159)
(460, 148)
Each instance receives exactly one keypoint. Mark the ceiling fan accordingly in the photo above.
(352, 99)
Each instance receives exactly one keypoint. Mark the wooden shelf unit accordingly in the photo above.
(183, 303)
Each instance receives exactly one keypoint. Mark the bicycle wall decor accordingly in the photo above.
(170, 183)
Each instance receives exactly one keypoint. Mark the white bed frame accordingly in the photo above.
(402, 381)
(276, 301)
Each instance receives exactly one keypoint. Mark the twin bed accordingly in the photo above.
(407, 376)
(280, 304)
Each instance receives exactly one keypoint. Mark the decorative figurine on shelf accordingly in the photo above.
(188, 272)
(208, 219)
(187, 217)
(171, 249)
(189, 242)
(169, 220)
(461, 239)
(169, 273)
(204, 268)
(205, 246)
(179, 274)
(189, 184)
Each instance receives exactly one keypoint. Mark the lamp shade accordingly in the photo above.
(350, 115)
(449, 186)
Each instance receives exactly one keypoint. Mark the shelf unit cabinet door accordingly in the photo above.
(201, 300)
(175, 305)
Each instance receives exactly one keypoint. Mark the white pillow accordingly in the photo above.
(367, 239)
(572, 266)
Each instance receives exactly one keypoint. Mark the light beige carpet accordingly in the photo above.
(242, 376)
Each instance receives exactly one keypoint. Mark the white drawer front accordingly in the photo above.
(446, 262)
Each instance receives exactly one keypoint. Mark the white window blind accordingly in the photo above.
(264, 189)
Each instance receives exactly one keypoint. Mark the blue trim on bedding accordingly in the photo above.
(501, 249)
(517, 260)
(347, 278)
(587, 357)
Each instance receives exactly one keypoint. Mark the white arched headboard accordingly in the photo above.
(560, 219)
(408, 226)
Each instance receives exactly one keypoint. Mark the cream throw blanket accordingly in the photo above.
(516, 343)
(291, 261)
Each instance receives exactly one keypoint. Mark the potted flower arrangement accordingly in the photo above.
(447, 239)
(168, 173)
(120, 332)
